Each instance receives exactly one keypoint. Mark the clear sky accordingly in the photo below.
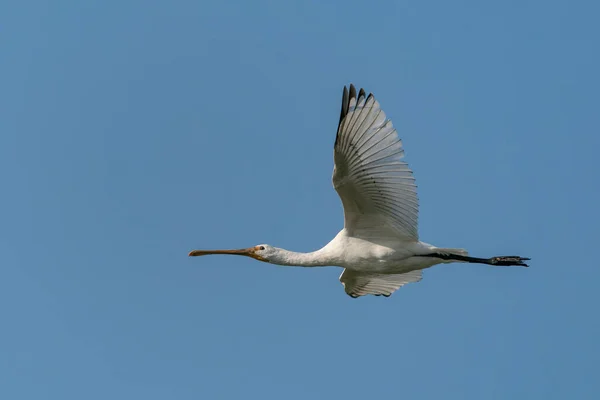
(134, 131)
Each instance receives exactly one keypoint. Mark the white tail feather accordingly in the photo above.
(460, 252)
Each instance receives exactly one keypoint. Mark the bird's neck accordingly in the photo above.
(319, 258)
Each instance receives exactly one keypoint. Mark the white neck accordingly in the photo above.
(319, 258)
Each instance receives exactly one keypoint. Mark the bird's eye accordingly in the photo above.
(261, 248)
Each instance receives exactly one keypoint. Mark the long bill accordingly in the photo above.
(249, 252)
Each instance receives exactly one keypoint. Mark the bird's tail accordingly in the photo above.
(459, 252)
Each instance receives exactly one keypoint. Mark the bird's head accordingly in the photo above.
(261, 252)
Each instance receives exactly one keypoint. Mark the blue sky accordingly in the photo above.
(134, 131)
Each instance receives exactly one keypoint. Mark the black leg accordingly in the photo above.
(498, 261)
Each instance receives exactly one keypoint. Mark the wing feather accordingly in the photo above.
(377, 189)
(359, 284)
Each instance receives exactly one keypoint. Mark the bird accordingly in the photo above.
(378, 247)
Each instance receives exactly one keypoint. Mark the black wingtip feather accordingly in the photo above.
(345, 104)
(352, 92)
(346, 97)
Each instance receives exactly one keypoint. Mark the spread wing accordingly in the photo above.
(359, 284)
(376, 187)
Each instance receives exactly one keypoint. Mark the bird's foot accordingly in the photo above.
(509, 260)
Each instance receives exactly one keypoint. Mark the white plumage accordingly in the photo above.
(376, 187)
(379, 246)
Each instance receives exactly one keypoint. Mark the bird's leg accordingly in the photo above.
(496, 261)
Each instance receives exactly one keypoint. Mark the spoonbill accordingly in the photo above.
(379, 246)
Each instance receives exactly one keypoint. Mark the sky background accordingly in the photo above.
(134, 131)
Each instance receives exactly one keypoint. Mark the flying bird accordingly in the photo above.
(379, 246)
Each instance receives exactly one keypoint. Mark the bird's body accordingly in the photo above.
(376, 255)
(379, 247)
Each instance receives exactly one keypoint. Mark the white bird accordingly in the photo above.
(379, 247)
